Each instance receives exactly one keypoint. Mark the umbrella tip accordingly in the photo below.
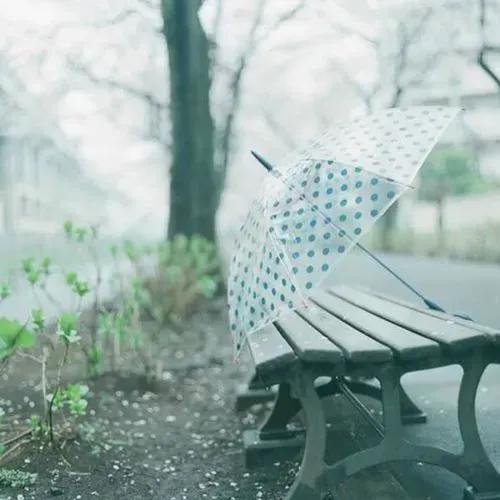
(261, 160)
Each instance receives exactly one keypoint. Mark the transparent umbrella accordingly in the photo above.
(316, 205)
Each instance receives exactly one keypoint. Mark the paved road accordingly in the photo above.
(470, 288)
(466, 287)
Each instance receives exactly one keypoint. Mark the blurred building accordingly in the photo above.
(41, 180)
(430, 55)
(442, 55)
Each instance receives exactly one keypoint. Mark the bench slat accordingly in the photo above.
(309, 344)
(406, 344)
(355, 345)
(493, 333)
(451, 335)
(270, 350)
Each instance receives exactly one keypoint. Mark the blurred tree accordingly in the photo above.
(398, 74)
(449, 171)
(193, 190)
(202, 131)
(202, 146)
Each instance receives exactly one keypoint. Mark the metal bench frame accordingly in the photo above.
(298, 390)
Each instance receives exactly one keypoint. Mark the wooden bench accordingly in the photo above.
(348, 338)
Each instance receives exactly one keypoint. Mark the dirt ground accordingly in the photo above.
(180, 440)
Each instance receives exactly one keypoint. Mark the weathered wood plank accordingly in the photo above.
(309, 344)
(270, 351)
(449, 334)
(356, 346)
(406, 344)
(492, 333)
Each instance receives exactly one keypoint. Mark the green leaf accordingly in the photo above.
(59, 400)
(130, 250)
(46, 263)
(4, 290)
(68, 229)
(68, 322)
(78, 286)
(80, 234)
(81, 288)
(28, 265)
(33, 276)
(67, 327)
(76, 391)
(14, 335)
(71, 278)
(38, 319)
(207, 286)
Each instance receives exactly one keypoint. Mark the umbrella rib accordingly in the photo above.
(371, 172)
(278, 175)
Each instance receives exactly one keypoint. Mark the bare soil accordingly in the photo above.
(177, 440)
(180, 439)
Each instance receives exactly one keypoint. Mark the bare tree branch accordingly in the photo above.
(114, 20)
(485, 49)
(285, 17)
(253, 43)
(235, 90)
(119, 18)
(116, 85)
(407, 37)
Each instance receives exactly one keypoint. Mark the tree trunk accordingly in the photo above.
(193, 191)
(440, 222)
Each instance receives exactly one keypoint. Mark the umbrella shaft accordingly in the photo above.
(276, 173)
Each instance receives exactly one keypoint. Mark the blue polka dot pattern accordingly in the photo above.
(316, 205)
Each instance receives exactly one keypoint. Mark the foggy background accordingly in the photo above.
(84, 92)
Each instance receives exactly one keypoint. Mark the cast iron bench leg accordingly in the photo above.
(247, 396)
(275, 439)
(480, 473)
(276, 434)
(307, 485)
(284, 409)
(473, 465)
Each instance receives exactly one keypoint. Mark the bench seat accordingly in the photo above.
(353, 336)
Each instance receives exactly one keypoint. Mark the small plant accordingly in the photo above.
(13, 336)
(14, 478)
(72, 398)
(188, 271)
(5, 291)
(39, 428)
(52, 343)
(149, 301)
(87, 239)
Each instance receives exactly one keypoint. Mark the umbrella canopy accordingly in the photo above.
(317, 204)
